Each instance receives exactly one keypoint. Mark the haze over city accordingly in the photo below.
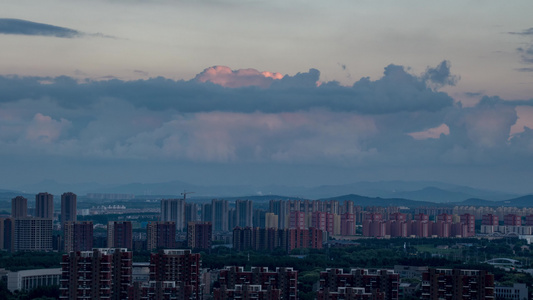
(267, 92)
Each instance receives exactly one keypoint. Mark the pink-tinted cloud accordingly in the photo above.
(227, 77)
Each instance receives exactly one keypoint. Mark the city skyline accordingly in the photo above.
(267, 93)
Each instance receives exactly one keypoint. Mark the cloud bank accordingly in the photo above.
(23, 27)
(226, 118)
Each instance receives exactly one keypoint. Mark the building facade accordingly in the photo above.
(103, 273)
(172, 272)
(119, 234)
(30, 279)
(378, 283)
(199, 235)
(173, 210)
(259, 282)
(457, 284)
(160, 235)
(78, 236)
(32, 234)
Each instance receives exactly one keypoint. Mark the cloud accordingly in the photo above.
(440, 76)
(431, 133)
(23, 27)
(528, 31)
(473, 94)
(44, 129)
(396, 91)
(227, 77)
(526, 54)
(141, 72)
(524, 69)
(396, 122)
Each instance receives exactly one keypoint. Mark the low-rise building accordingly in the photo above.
(30, 279)
(518, 291)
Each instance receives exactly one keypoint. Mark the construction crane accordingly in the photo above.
(185, 194)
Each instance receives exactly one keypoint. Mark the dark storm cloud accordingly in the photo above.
(396, 91)
(23, 27)
(525, 69)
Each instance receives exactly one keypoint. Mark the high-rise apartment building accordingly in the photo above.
(99, 274)
(119, 234)
(271, 220)
(373, 281)
(180, 267)
(19, 207)
(7, 233)
(219, 216)
(78, 236)
(259, 281)
(373, 225)
(243, 213)
(199, 235)
(270, 238)
(259, 218)
(160, 235)
(347, 224)
(68, 207)
(173, 210)
(280, 209)
(470, 221)
(44, 206)
(512, 220)
(32, 234)
(491, 220)
(452, 284)
(191, 212)
(318, 220)
(297, 220)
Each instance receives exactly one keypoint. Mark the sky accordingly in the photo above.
(267, 92)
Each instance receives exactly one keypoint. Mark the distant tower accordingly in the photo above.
(19, 207)
(44, 206)
(68, 207)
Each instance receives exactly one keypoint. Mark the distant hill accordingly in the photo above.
(416, 190)
(524, 201)
(477, 202)
(377, 201)
(7, 195)
(434, 194)
(384, 193)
